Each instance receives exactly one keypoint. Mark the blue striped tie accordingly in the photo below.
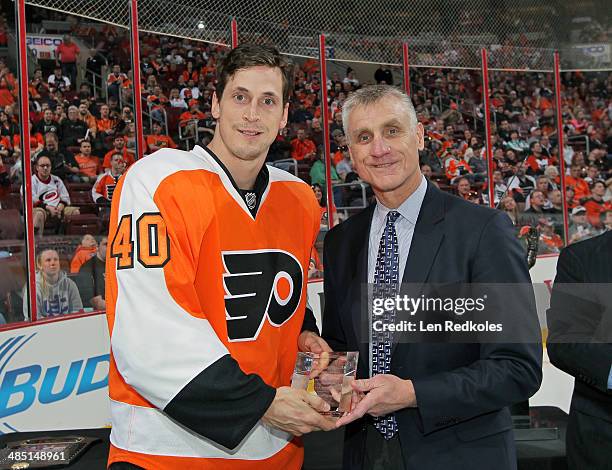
(386, 282)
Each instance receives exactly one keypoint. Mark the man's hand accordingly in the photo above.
(384, 394)
(297, 412)
(309, 341)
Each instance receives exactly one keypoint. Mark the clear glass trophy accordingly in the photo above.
(328, 375)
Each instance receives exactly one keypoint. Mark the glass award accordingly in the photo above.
(329, 376)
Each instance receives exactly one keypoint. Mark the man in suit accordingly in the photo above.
(580, 343)
(428, 405)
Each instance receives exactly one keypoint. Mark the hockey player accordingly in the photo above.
(206, 295)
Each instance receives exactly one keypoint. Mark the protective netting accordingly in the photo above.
(520, 34)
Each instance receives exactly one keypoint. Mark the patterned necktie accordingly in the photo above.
(386, 282)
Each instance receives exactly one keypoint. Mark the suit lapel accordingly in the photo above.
(428, 234)
(426, 240)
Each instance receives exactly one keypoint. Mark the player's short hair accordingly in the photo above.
(252, 55)
(373, 94)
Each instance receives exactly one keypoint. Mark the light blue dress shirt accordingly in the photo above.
(610, 379)
(404, 228)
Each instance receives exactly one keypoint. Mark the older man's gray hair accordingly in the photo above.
(373, 94)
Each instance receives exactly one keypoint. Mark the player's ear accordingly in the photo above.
(285, 118)
(215, 108)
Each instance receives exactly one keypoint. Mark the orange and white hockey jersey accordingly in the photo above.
(205, 302)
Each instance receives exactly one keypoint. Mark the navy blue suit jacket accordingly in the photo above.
(463, 390)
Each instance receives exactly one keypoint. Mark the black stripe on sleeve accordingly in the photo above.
(219, 395)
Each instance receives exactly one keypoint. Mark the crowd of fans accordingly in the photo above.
(82, 142)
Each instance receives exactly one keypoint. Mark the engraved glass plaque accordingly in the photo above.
(328, 375)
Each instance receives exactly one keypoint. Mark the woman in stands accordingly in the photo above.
(56, 294)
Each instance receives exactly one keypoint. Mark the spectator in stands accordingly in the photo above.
(302, 148)
(8, 95)
(383, 75)
(556, 200)
(509, 206)
(63, 164)
(577, 183)
(351, 78)
(344, 167)
(595, 204)
(83, 252)
(72, 130)
(95, 270)
(157, 140)
(118, 147)
(516, 143)
(537, 203)
(58, 81)
(89, 164)
(520, 183)
(592, 174)
(579, 227)
(478, 165)
(50, 197)
(552, 173)
(463, 187)
(455, 165)
(317, 176)
(426, 170)
(67, 54)
(115, 81)
(89, 119)
(336, 123)
(536, 162)
(7, 126)
(316, 132)
(500, 189)
(56, 294)
(549, 241)
(190, 120)
(103, 188)
(47, 123)
(535, 134)
(175, 99)
(38, 86)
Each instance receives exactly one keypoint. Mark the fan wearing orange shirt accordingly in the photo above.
(89, 165)
(105, 125)
(577, 183)
(595, 205)
(302, 148)
(118, 147)
(157, 140)
(189, 119)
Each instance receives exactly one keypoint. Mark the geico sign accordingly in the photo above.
(43, 41)
(21, 387)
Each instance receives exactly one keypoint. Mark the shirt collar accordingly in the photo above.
(410, 208)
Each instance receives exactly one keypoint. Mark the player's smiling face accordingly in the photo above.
(250, 112)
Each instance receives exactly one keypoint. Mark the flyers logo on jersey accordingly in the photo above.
(259, 284)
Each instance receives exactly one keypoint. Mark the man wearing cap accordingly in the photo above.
(579, 227)
(550, 242)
